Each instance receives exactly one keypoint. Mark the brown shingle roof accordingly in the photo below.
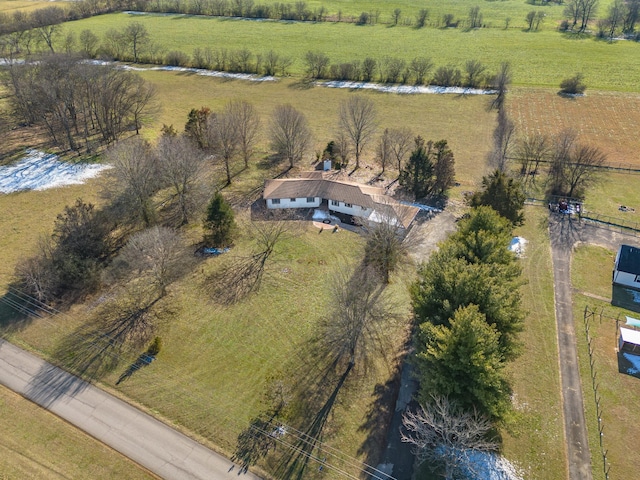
(346, 192)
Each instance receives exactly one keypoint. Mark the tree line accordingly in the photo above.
(81, 105)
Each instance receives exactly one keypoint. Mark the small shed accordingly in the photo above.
(629, 341)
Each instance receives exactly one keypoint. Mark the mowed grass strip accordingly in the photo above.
(619, 392)
(533, 438)
(37, 444)
(541, 59)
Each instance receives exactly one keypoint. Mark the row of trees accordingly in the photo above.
(396, 70)
(233, 133)
(467, 306)
(79, 104)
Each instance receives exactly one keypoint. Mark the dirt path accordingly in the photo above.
(565, 232)
(428, 232)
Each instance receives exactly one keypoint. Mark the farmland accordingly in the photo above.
(214, 355)
(538, 59)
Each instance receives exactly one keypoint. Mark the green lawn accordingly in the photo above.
(619, 393)
(37, 444)
(538, 59)
(533, 437)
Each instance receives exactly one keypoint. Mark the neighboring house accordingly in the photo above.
(316, 191)
(626, 279)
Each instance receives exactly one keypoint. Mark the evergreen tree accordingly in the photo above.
(483, 237)
(417, 176)
(464, 363)
(219, 222)
(446, 284)
(443, 170)
(503, 194)
(196, 126)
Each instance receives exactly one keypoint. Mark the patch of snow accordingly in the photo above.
(421, 206)
(405, 89)
(40, 171)
(517, 246)
(491, 466)
(198, 71)
(633, 360)
(320, 215)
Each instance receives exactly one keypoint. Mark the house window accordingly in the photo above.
(637, 279)
(348, 205)
(292, 199)
(310, 199)
(335, 203)
(275, 201)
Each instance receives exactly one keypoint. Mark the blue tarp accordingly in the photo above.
(215, 251)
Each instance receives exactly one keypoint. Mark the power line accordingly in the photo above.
(31, 306)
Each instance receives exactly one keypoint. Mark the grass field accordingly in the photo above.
(591, 273)
(37, 444)
(538, 59)
(533, 437)
(10, 6)
(463, 121)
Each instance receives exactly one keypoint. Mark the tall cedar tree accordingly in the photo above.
(196, 126)
(474, 267)
(219, 222)
(430, 169)
(417, 175)
(464, 362)
(502, 193)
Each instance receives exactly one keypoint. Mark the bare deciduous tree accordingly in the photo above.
(385, 249)
(446, 437)
(474, 73)
(501, 83)
(420, 67)
(401, 143)
(247, 126)
(316, 64)
(358, 120)
(243, 276)
(223, 138)
(290, 133)
(156, 256)
(137, 39)
(574, 166)
(181, 166)
(532, 150)
(136, 176)
(47, 22)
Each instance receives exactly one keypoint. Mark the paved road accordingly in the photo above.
(565, 233)
(147, 441)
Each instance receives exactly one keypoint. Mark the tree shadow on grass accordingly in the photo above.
(95, 349)
(378, 419)
(16, 313)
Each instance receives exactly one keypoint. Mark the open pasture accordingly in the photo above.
(462, 121)
(604, 119)
(10, 6)
(538, 59)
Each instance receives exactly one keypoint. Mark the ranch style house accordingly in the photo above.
(315, 190)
